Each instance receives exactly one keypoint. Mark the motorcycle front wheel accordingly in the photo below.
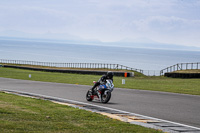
(105, 97)
(88, 95)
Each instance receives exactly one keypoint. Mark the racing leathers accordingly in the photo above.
(102, 80)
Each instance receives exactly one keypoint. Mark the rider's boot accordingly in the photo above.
(92, 90)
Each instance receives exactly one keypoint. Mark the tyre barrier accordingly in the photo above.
(183, 75)
(116, 73)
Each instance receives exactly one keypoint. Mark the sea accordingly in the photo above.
(151, 60)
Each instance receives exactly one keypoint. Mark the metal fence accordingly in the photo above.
(181, 66)
(71, 65)
(151, 72)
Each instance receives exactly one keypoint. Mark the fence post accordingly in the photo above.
(177, 67)
(192, 66)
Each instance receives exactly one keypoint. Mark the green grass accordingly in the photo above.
(185, 86)
(67, 68)
(188, 71)
(22, 114)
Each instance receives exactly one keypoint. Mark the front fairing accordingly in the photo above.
(102, 87)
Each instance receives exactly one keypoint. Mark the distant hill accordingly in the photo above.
(67, 38)
(154, 46)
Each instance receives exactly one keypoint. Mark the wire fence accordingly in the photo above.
(151, 72)
(181, 66)
(71, 65)
(176, 67)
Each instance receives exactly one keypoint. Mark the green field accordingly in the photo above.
(185, 86)
(22, 115)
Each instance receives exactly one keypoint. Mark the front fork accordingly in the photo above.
(99, 94)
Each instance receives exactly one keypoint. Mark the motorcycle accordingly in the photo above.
(101, 92)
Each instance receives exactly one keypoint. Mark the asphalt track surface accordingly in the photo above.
(180, 108)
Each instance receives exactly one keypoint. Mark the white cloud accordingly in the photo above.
(107, 20)
(162, 23)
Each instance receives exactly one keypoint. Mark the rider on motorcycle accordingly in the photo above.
(103, 79)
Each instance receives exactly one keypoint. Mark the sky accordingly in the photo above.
(166, 21)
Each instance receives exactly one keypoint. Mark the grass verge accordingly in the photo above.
(188, 71)
(22, 114)
(67, 68)
(184, 86)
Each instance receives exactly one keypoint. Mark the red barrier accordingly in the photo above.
(125, 74)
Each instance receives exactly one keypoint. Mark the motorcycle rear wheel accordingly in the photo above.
(88, 95)
(105, 97)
